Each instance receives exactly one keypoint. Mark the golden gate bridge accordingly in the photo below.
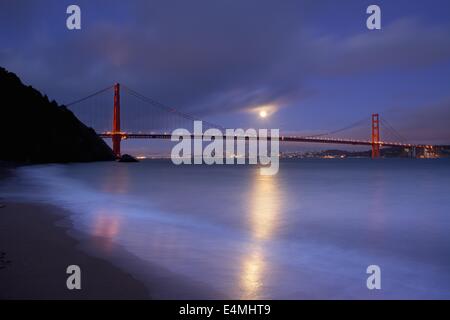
(145, 118)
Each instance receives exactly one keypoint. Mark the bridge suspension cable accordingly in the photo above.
(351, 126)
(89, 96)
(390, 129)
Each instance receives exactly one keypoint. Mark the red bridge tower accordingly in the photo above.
(375, 136)
(116, 135)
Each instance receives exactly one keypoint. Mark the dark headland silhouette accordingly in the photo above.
(36, 130)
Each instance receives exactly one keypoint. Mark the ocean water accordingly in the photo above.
(310, 231)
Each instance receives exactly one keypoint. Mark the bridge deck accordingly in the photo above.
(126, 135)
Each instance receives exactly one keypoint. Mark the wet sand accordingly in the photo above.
(34, 255)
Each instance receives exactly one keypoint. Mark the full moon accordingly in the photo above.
(263, 113)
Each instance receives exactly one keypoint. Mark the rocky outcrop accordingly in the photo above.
(128, 158)
(36, 130)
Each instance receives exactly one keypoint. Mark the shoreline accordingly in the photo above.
(35, 251)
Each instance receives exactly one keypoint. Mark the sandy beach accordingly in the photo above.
(34, 255)
(35, 251)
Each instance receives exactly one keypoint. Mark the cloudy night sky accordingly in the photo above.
(314, 62)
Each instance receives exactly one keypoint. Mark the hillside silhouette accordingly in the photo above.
(36, 130)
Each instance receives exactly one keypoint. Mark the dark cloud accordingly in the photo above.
(186, 53)
(405, 44)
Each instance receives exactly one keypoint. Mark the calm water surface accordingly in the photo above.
(308, 232)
